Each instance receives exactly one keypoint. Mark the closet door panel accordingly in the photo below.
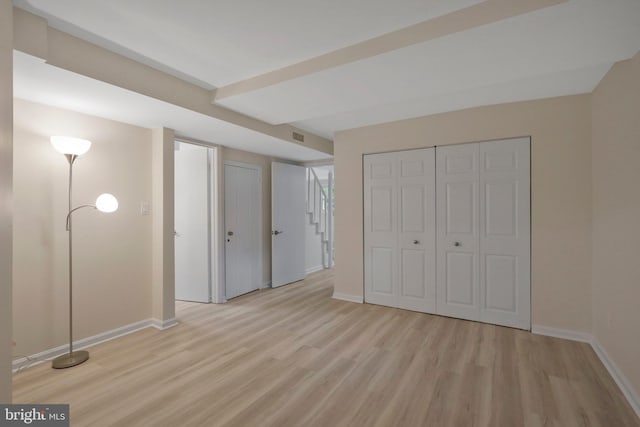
(505, 232)
(457, 177)
(399, 213)
(460, 276)
(416, 236)
(380, 229)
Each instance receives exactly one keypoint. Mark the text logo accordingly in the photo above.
(34, 415)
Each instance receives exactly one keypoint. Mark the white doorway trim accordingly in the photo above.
(220, 290)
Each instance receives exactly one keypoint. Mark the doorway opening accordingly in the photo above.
(320, 236)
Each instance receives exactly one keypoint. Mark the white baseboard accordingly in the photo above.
(347, 297)
(100, 338)
(314, 269)
(627, 389)
(164, 324)
(633, 397)
(561, 333)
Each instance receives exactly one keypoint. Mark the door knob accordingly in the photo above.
(457, 244)
(276, 232)
(230, 233)
(415, 242)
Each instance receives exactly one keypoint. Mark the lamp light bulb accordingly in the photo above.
(69, 145)
(107, 203)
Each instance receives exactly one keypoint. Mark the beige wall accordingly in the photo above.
(112, 252)
(560, 129)
(264, 162)
(6, 166)
(616, 217)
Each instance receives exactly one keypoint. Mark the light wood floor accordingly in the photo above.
(295, 357)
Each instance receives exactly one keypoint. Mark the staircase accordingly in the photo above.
(320, 210)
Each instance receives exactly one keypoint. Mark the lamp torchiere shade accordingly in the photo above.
(69, 145)
(107, 203)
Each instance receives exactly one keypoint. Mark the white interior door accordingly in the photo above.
(288, 213)
(505, 266)
(242, 206)
(192, 223)
(458, 241)
(399, 189)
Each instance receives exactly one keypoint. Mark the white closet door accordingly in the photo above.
(458, 234)
(417, 230)
(381, 229)
(399, 221)
(505, 233)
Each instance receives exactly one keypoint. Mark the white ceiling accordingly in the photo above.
(223, 41)
(42, 83)
(558, 50)
(561, 50)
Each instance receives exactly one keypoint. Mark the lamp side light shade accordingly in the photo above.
(107, 203)
(69, 145)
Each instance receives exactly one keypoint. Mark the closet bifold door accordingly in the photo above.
(380, 229)
(505, 219)
(483, 232)
(458, 230)
(399, 234)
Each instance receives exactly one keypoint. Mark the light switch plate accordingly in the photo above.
(145, 208)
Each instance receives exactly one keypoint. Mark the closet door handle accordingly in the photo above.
(457, 244)
(415, 242)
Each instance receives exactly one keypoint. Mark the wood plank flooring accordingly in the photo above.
(293, 356)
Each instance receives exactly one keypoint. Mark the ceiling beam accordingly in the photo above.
(484, 13)
(33, 35)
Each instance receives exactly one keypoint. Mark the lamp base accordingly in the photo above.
(69, 360)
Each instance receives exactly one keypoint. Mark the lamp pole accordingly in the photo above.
(72, 358)
(71, 158)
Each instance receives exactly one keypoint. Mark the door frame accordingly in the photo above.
(221, 285)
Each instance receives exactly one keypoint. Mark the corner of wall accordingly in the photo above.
(615, 132)
(163, 286)
(6, 196)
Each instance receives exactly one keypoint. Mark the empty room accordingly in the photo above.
(338, 213)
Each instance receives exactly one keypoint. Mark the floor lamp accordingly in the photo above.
(72, 148)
